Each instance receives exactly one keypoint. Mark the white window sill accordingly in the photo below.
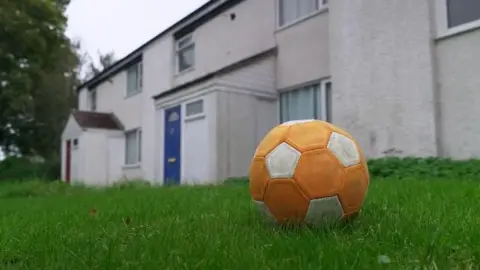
(301, 19)
(183, 72)
(129, 95)
(195, 117)
(457, 30)
(131, 166)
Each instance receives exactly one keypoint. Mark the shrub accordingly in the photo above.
(394, 167)
(131, 184)
(419, 168)
(20, 169)
(37, 188)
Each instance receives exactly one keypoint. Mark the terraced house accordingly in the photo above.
(191, 104)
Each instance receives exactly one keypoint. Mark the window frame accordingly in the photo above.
(189, 117)
(138, 142)
(92, 99)
(179, 49)
(138, 69)
(320, 97)
(441, 18)
(322, 5)
(75, 144)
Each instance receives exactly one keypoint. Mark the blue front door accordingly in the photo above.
(171, 171)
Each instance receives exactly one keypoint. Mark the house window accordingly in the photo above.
(133, 146)
(290, 11)
(307, 102)
(75, 143)
(328, 101)
(185, 51)
(462, 11)
(93, 99)
(134, 79)
(194, 108)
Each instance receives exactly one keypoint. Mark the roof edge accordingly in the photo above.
(229, 68)
(75, 114)
(125, 61)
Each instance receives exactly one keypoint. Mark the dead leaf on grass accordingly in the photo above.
(127, 221)
(93, 212)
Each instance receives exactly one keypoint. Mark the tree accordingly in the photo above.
(54, 99)
(34, 55)
(105, 60)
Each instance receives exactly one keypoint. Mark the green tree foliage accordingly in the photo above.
(38, 74)
(54, 99)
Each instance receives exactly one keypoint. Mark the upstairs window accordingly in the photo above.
(185, 53)
(290, 11)
(134, 79)
(461, 12)
(93, 99)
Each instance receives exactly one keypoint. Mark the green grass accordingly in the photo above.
(405, 224)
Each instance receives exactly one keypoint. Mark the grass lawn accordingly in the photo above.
(404, 224)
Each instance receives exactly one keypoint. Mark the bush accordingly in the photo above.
(131, 184)
(418, 168)
(394, 167)
(39, 188)
(20, 169)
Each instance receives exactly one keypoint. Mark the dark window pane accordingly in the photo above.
(462, 11)
(186, 58)
(195, 107)
(328, 103)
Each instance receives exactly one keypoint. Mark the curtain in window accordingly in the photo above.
(299, 104)
(132, 79)
(306, 7)
(284, 107)
(186, 57)
(288, 11)
(93, 100)
(462, 11)
(131, 148)
(291, 10)
(139, 146)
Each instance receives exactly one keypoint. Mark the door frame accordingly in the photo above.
(68, 160)
(178, 107)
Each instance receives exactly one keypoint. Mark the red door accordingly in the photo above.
(68, 152)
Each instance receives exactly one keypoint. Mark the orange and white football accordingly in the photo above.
(308, 171)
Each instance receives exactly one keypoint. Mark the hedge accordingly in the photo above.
(418, 168)
(410, 167)
(20, 169)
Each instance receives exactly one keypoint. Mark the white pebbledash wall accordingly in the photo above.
(381, 60)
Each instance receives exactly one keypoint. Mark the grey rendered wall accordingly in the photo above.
(247, 109)
(243, 120)
(303, 51)
(382, 73)
(458, 59)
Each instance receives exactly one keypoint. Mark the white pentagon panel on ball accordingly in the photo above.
(282, 161)
(344, 149)
(294, 122)
(264, 211)
(324, 210)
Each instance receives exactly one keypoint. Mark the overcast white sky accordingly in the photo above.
(123, 25)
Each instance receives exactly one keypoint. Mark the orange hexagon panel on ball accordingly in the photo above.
(308, 171)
